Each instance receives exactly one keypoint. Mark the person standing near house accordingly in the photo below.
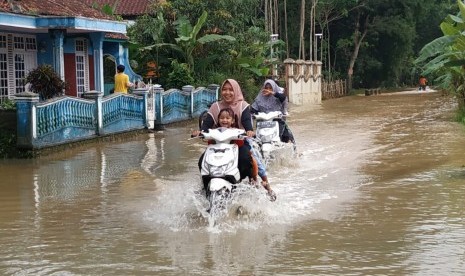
(122, 82)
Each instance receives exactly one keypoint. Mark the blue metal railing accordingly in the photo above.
(62, 113)
(68, 119)
(179, 105)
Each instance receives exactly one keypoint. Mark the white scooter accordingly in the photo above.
(219, 168)
(268, 135)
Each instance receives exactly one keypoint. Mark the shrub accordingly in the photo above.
(179, 76)
(8, 104)
(45, 81)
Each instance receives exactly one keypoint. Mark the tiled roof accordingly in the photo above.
(116, 36)
(75, 8)
(124, 7)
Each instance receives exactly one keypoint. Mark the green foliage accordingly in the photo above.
(179, 76)
(189, 40)
(250, 87)
(8, 104)
(45, 82)
(8, 147)
(7, 141)
(255, 65)
(149, 29)
(253, 56)
(210, 77)
(108, 10)
(209, 47)
(444, 57)
(460, 115)
(397, 31)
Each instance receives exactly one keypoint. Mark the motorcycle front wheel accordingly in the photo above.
(219, 201)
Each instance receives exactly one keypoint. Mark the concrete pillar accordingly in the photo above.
(216, 88)
(58, 36)
(26, 128)
(189, 89)
(98, 111)
(158, 95)
(97, 42)
(144, 92)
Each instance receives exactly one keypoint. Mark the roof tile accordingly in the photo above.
(52, 8)
(124, 7)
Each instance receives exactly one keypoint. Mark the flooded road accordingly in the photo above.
(378, 188)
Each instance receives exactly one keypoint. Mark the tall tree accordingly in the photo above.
(362, 25)
(286, 28)
(302, 30)
(327, 12)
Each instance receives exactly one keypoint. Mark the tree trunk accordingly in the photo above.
(358, 38)
(328, 55)
(276, 17)
(313, 38)
(302, 27)
(285, 28)
(266, 16)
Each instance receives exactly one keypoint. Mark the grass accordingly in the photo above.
(460, 115)
(8, 147)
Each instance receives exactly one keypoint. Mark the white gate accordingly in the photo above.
(303, 81)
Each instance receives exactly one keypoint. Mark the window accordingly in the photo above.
(20, 73)
(82, 65)
(19, 42)
(18, 55)
(3, 77)
(31, 44)
(2, 41)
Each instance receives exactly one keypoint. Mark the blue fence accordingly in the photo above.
(123, 112)
(178, 105)
(69, 119)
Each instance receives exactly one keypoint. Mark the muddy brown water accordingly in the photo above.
(378, 188)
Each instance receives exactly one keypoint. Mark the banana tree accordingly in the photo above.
(444, 57)
(189, 39)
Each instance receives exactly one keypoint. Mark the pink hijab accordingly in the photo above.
(238, 105)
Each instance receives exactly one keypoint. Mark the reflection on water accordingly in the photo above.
(377, 189)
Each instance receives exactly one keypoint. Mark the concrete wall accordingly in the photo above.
(303, 81)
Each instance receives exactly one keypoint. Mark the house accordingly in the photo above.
(127, 9)
(81, 43)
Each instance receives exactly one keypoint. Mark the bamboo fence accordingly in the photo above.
(332, 90)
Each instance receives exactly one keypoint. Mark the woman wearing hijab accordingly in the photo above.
(232, 97)
(272, 98)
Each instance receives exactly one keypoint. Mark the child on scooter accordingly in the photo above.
(226, 119)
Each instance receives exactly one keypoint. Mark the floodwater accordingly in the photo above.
(378, 188)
